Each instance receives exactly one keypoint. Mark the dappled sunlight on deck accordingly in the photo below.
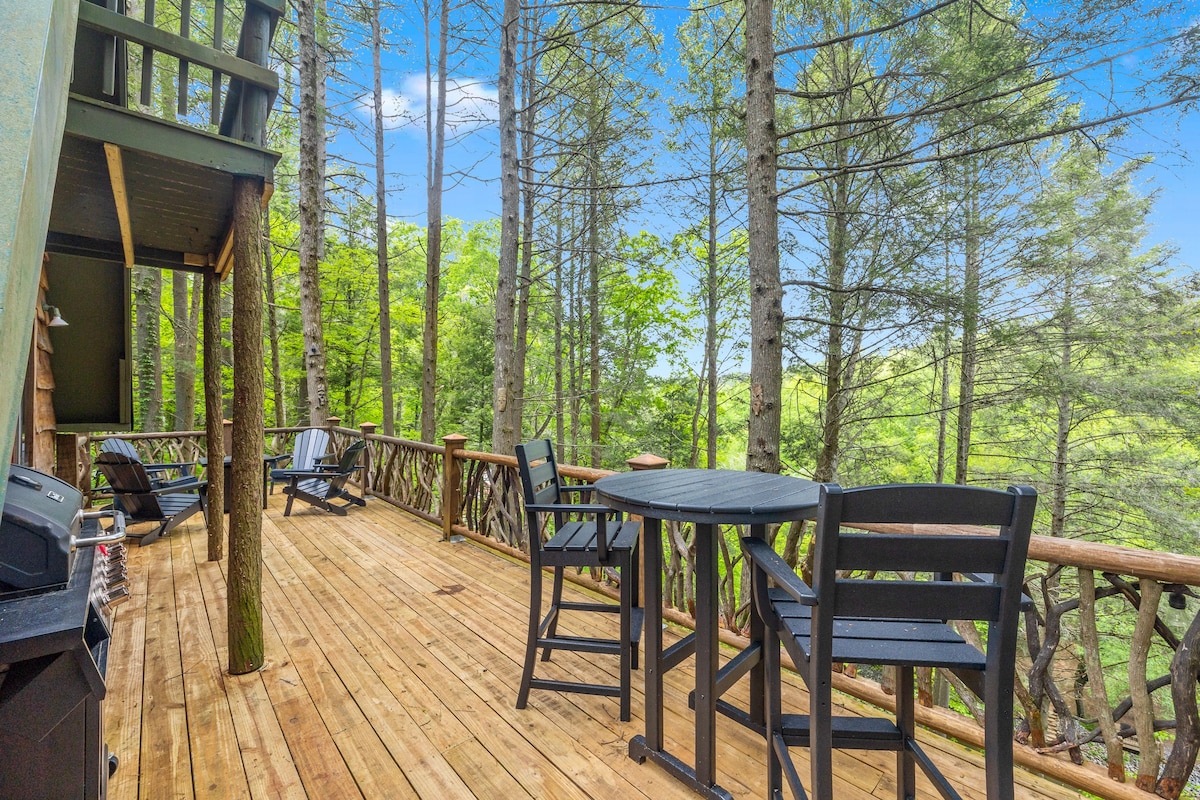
(392, 665)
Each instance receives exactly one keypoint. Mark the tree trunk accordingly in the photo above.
(436, 137)
(381, 237)
(712, 300)
(245, 518)
(766, 290)
(1059, 474)
(273, 325)
(836, 360)
(214, 405)
(559, 426)
(148, 291)
(185, 353)
(312, 135)
(504, 425)
(593, 300)
(529, 198)
(970, 329)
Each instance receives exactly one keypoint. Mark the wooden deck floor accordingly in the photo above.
(392, 665)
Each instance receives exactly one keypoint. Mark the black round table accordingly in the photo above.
(707, 498)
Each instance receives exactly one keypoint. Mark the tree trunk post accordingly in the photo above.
(246, 645)
(368, 430)
(66, 461)
(451, 483)
(215, 432)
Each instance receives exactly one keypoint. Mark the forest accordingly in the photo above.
(840, 239)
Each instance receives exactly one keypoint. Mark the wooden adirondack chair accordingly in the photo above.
(143, 501)
(312, 445)
(326, 483)
(886, 598)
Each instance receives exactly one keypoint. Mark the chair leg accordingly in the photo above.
(555, 607)
(287, 511)
(997, 740)
(906, 774)
(772, 711)
(628, 649)
(635, 580)
(535, 619)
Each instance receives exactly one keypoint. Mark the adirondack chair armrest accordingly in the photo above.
(276, 460)
(169, 465)
(295, 475)
(764, 558)
(189, 486)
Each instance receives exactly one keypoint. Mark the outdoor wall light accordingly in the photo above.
(56, 320)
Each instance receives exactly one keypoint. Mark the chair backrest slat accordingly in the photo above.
(311, 444)
(121, 446)
(909, 553)
(346, 466)
(130, 483)
(918, 600)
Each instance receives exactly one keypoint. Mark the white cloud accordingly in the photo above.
(470, 104)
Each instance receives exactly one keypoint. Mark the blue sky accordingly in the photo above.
(474, 193)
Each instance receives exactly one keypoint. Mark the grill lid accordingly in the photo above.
(41, 514)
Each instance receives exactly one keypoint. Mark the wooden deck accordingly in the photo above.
(392, 666)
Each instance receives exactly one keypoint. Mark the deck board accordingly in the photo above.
(392, 665)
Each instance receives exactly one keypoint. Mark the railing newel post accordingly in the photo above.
(367, 430)
(451, 483)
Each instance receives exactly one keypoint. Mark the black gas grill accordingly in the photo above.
(60, 575)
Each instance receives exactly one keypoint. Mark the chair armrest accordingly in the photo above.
(169, 465)
(175, 488)
(772, 564)
(571, 508)
(273, 460)
(583, 487)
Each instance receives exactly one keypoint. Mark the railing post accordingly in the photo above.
(647, 461)
(639, 463)
(367, 429)
(226, 437)
(451, 483)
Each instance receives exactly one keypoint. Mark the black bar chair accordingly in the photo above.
(897, 615)
(602, 540)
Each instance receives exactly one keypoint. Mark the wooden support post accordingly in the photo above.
(644, 462)
(66, 461)
(451, 483)
(214, 402)
(246, 648)
(331, 423)
(227, 435)
(368, 430)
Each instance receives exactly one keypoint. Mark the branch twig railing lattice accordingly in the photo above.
(1073, 584)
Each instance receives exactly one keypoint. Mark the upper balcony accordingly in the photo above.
(163, 112)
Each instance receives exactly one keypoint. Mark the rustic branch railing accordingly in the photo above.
(1112, 638)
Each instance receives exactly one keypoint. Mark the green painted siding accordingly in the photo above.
(39, 41)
